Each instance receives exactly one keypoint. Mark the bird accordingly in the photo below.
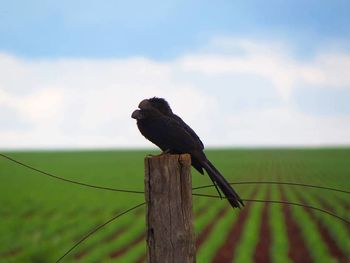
(157, 123)
(163, 106)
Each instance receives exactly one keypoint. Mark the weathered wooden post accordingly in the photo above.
(168, 190)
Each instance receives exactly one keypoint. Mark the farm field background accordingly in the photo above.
(41, 218)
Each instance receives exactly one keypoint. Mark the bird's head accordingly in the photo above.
(146, 110)
(161, 104)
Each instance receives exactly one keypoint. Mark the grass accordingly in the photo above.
(41, 217)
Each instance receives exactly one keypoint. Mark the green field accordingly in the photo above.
(41, 218)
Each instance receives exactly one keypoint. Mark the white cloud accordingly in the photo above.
(333, 70)
(271, 61)
(286, 126)
(88, 102)
(41, 106)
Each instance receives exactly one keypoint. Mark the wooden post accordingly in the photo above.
(168, 190)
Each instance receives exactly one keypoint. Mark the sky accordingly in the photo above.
(240, 73)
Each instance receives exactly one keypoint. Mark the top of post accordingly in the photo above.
(184, 158)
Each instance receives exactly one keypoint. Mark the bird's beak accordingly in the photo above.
(136, 115)
(144, 105)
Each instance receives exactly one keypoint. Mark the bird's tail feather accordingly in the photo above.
(224, 186)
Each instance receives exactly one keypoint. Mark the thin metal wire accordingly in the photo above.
(281, 183)
(194, 194)
(283, 202)
(210, 196)
(141, 192)
(68, 180)
(98, 228)
(195, 188)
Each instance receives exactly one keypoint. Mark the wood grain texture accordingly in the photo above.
(168, 190)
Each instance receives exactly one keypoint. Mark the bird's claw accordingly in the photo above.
(167, 151)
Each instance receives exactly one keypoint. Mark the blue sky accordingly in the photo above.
(165, 29)
(242, 73)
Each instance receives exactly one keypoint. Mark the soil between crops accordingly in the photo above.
(226, 252)
(262, 250)
(297, 248)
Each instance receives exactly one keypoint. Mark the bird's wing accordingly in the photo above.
(188, 129)
(177, 137)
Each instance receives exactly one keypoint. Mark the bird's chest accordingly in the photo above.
(154, 131)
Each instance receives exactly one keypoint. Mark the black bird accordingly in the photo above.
(170, 133)
(163, 106)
